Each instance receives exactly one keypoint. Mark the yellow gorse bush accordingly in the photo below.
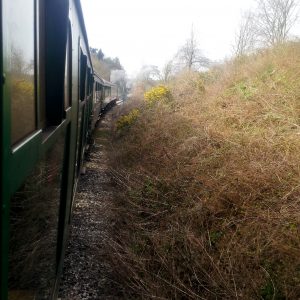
(128, 119)
(156, 94)
(23, 86)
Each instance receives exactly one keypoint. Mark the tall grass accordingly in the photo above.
(210, 185)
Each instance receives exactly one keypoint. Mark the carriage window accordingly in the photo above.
(88, 72)
(19, 40)
(102, 93)
(83, 65)
(68, 65)
(94, 92)
(91, 83)
(98, 93)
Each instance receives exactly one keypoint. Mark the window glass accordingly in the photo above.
(19, 42)
(91, 83)
(95, 91)
(98, 94)
(88, 79)
(83, 65)
(101, 93)
(67, 93)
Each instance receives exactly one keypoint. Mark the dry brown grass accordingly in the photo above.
(210, 185)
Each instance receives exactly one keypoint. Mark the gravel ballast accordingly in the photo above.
(87, 272)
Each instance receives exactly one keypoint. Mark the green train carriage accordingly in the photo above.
(47, 95)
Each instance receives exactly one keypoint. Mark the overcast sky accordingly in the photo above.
(143, 32)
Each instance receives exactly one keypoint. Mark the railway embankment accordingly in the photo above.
(207, 169)
(87, 272)
(192, 189)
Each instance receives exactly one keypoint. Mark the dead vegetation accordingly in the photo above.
(210, 183)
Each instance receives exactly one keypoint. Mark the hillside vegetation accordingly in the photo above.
(103, 66)
(209, 180)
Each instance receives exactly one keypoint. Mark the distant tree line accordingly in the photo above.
(268, 24)
(104, 65)
(110, 69)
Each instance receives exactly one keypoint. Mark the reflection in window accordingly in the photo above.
(83, 66)
(68, 75)
(98, 92)
(19, 40)
(88, 81)
(94, 93)
(34, 222)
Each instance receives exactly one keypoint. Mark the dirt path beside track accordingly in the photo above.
(87, 272)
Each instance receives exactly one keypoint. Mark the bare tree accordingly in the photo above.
(246, 36)
(119, 78)
(146, 73)
(149, 75)
(275, 19)
(167, 71)
(190, 54)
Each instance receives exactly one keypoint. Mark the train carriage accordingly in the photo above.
(98, 88)
(105, 97)
(48, 94)
(110, 95)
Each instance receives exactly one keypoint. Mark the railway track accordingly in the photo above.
(87, 271)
